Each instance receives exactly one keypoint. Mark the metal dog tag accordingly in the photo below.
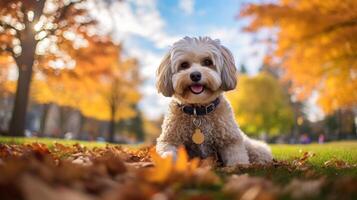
(198, 137)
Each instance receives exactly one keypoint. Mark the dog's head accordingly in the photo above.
(196, 70)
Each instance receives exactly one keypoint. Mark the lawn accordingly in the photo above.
(344, 150)
(315, 171)
(49, 141)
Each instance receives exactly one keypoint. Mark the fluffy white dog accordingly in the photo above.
(195, 72)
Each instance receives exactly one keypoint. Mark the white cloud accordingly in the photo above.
(133, 18)
(226, 35)
(153, 104)
(141, 18)
(187, 6)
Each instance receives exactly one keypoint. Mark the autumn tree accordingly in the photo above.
(33, 29)
(101, 85)
(120, 92)
(315, 44)
(109, 95)
(261, 105)
(134, 126)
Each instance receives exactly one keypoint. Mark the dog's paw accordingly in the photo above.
(168, 153)
(166, 150)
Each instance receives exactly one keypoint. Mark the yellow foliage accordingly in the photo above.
(6, 85)
(261, 105)
(316, 46)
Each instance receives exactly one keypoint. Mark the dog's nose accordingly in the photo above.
(195, 76)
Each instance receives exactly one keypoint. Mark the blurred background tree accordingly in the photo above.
(65, 64)
(261, 105)
(115, 95)
(33, 28)
(315, 44)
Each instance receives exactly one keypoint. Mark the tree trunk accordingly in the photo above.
(46, 108)
(65, 113)
(25, 64)
(82, 123)
(339, 122)
(112, 124)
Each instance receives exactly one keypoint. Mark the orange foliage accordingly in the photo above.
(165, 168)
(6, 86)
(99, 75)
(316, 46)
(73, 67)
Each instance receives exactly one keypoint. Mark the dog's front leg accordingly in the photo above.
(235, 154)
(165, 149)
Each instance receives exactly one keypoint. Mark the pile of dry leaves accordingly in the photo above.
(34, 171)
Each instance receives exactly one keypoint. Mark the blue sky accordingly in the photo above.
(147, 28)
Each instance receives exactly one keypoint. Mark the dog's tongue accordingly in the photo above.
(197, 88)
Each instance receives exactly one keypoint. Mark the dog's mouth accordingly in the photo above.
(197, 88)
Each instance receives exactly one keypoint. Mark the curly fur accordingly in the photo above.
(223, 138)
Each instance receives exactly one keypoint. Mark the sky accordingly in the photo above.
(147, 28)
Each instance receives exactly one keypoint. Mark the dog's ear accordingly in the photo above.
(229, 71)
(164, 77)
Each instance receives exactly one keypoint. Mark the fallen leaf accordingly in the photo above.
(299, 189)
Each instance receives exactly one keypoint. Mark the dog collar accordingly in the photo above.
(199, 110)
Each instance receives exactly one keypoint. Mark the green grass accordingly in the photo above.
(49, 141)
(344, 150)
(280, 175)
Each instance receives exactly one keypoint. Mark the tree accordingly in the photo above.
(136, 125)
(261, 105)
(102, 85)
(27, 25)
(243, 69)
(120, 92)
(113, 94)
(315, 44)
(92, 61)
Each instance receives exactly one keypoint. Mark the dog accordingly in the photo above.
(195, 72)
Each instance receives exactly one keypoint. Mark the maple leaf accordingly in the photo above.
(161, 171)
(166, 167)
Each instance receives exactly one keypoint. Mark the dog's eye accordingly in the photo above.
(184, 65)
(207, 62)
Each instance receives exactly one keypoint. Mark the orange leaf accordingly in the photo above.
(162, 169)
(181, 164)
